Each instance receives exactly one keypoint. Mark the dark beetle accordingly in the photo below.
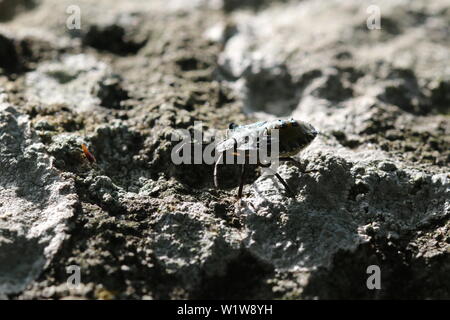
(293, 136)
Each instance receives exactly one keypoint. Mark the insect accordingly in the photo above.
(87, 153)
(290, 135)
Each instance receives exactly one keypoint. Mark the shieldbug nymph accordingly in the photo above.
(290, 137)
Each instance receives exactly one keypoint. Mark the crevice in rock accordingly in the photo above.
(245, 278)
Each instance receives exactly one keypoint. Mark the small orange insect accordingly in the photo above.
(88, 154)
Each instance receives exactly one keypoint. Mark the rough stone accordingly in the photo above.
(372, 189)
(36, 203)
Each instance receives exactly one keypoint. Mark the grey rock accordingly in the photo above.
(308, 231)
(35, 204)
(10, 8)
(71, 81)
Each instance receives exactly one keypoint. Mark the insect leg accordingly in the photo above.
(216, 182)
(292, 194)
(285, 185)
(241, 181)
(235, 153)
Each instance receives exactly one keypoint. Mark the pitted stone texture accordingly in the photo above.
(35, 204)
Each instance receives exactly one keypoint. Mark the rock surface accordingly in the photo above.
(36, 204)
(141, 227)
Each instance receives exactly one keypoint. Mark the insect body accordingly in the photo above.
(87, 153)
(290, 136)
